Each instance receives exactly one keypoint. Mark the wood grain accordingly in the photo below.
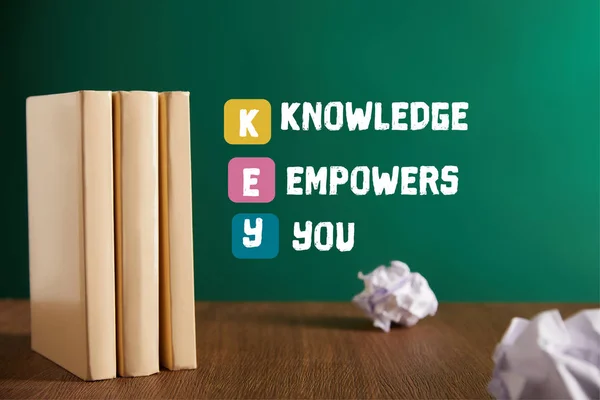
(291, 351)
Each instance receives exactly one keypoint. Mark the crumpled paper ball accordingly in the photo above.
(548, 358)
(394, 294)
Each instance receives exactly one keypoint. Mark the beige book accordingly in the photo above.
(71, 232)
(177, 317)
(135, 116)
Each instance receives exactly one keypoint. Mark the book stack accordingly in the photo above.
(110, 232)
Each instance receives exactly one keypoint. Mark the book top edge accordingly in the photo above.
(176, 92)
(66, 94)
(180, 92)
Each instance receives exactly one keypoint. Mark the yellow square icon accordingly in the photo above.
(247, 121)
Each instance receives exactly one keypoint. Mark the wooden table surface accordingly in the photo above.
(292, 351)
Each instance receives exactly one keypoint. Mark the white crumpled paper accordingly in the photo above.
(548, 358)
(394, 294)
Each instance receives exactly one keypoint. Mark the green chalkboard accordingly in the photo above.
(523, 225)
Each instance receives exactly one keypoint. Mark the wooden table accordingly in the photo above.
(292, 351)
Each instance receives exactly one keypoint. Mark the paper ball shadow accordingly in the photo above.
(330, 322)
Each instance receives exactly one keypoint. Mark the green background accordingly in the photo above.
(524, 223)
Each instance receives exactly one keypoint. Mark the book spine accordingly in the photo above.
(136, 232)
(178, 342)
(99, 234)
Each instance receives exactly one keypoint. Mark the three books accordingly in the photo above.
(110, 232)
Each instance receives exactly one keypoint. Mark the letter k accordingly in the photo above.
(246, 122)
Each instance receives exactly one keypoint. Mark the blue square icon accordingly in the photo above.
(255, 236)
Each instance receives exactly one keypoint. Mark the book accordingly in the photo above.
(135, 116)
(71, 231)
(177, 313)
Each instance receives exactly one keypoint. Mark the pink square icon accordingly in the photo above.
(251, 180)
